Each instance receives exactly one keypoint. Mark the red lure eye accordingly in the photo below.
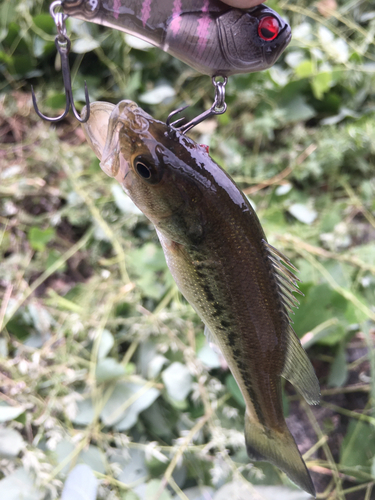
(268, 28)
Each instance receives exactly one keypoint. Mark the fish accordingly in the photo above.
(215, 247)
(208, 35)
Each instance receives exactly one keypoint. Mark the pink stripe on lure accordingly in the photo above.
(203, 28)
(176, 20)
(146, 10)
(116, 8)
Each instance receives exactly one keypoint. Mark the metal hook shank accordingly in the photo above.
(218, 108)
(62, 43)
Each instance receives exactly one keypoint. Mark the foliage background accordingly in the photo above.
(102, 362)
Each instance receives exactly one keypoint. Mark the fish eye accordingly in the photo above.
(268, 28)
(148, 169)
(143, 170)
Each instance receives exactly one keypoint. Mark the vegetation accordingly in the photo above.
(102, 362)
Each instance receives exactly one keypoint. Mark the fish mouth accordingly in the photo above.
(110, 132)
(96, 128)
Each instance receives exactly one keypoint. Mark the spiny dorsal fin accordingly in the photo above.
(286, 280)
(297, 367)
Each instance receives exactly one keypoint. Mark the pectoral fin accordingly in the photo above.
(299, 370)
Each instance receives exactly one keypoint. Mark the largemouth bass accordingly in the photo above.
(219, 257)
(209, 36)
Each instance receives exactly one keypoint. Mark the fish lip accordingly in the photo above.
(96, 128)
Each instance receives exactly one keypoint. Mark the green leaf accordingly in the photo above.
(177, 380)
(303, 212)
(106, 343)
(338, 374)
(233, 388)
(118, 412)
(321, 83)
(123, 201)
(85, 412)
(358, 445)
(94, 458)
(84, 45)
(64, 450)
(19, 486)
(132, 463)
(108, 369)
(10, 412)
(81, 484)
(297, 110)
(11, 443)
(45, 23)
(304, 69)
(38, 238)
(152, 489)
(209, 357)
(243, 491)
(319, 305)
(158, 95)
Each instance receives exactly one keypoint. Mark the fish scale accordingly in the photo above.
(218, 254)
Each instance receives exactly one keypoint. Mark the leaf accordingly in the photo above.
(321, 83)
(19, 486)
(319, 305)
(158, 95)
(93, 458)
(81, 484)
(209, 357)
(199, 492)
(358, 445)
(234, 390)
(64, 453)
(141, 397)
(45, 23)
(106, 343)
(11, 443)
(304, 69)
(239, 490)
(108, 369)
(83, 45)
(137, 43)
(133, 465)
(38, 238)
(177, 381)
(303, 213)
(297, 110)
(338, 374)
(85, 412)
(153, 488)
(10, 412)
(123, 201)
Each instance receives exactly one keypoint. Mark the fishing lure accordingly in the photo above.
(216, 249)
(208, 35)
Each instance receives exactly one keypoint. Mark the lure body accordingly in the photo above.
(219, 257)
(209, 36)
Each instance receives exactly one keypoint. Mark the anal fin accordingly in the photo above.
(299, 370)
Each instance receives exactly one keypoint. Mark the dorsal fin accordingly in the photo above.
(286, 280)
(297, 366)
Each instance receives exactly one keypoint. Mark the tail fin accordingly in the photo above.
(280, 449)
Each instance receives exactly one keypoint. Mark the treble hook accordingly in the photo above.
(63, 44)
(218, 107)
